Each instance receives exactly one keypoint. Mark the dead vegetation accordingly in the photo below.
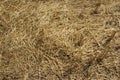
(59, 40)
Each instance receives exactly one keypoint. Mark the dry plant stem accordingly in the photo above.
(109, 39)
(95, 40)
(99, 57)
(0, 58)
(26, 76)
(55, 62)
(94, 60)
(4, 21)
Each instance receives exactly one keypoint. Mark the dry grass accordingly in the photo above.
(59, 40)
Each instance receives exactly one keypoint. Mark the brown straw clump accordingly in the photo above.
(59, 40)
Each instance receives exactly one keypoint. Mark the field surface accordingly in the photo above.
(59, 39)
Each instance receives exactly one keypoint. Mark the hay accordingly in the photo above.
(59, 40)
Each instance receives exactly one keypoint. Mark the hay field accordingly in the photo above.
(59, 39)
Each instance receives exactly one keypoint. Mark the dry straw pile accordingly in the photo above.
(59, 39)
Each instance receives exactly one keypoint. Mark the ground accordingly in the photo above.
(59, 39)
